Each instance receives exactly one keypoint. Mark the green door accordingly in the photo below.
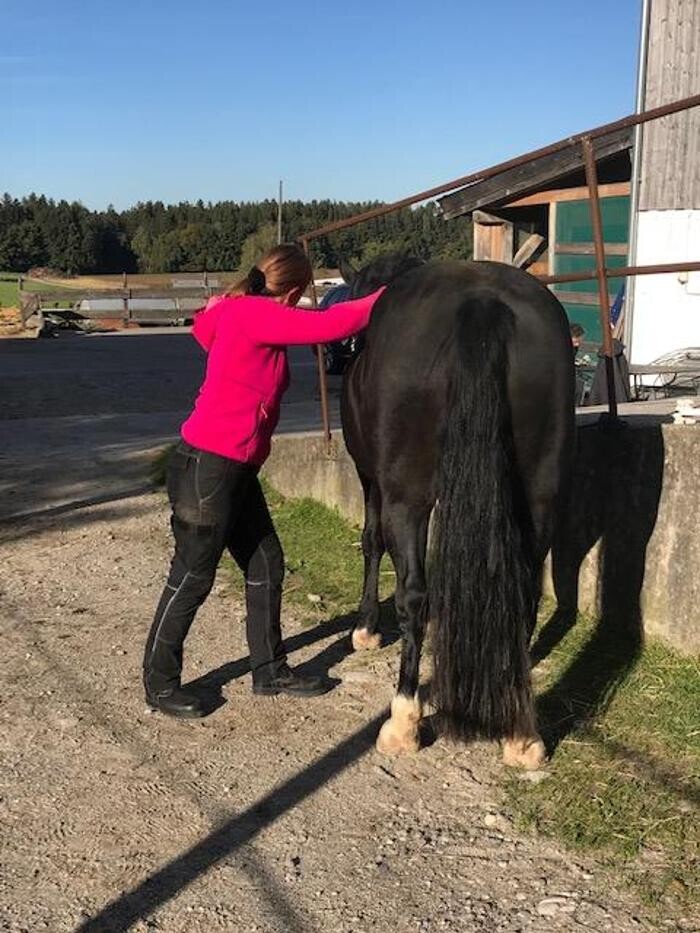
(573, 252)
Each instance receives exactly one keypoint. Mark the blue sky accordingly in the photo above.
(125, 101)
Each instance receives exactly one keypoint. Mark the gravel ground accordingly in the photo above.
(270, 814)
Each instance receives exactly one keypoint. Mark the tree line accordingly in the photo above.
(155, 237)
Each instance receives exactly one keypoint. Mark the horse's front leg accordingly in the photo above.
(365, 634)
(406, 533)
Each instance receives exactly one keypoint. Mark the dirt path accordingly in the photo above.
(269, 815)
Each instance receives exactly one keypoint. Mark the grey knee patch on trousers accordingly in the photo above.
(266, 566)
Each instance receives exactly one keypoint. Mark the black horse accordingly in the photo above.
(463, 396)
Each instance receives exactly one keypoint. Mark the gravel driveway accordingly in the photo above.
(269, 815)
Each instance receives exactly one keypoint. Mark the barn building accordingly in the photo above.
(537, 215)
(664, 311)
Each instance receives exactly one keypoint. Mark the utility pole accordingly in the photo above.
(279, 215)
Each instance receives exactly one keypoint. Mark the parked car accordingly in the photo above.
(337, 355)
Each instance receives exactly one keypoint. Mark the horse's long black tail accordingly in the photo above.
(482, 581)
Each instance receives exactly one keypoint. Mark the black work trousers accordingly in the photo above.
(217, 504)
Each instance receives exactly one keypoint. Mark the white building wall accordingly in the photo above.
(666, 307)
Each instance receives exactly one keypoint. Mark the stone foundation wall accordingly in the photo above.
(628, 548)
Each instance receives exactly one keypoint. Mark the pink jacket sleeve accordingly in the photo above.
(279, 325)
(205, 321)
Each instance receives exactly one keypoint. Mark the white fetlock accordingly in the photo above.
(528, 753)
(364, 640)
(399, 734)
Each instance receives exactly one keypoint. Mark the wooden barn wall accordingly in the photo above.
(670, 170)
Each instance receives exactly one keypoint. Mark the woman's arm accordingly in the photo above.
(273, 324)
(204, 325)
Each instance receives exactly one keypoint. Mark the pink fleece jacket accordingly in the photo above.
(238, 405)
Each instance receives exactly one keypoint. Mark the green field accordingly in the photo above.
(9, 296)
(9, 291)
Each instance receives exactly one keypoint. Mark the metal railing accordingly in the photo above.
(586, 141)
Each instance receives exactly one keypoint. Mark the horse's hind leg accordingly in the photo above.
(406, 533)
(528, 750)
(365, 634)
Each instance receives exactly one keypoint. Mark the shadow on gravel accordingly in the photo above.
(28, 524)
(162, 885)
(319, 665)
(167, 882)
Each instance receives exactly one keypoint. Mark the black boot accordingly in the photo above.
(288, 681)
(174, 701)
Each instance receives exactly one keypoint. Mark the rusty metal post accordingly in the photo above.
(322, 380)
(603, 297)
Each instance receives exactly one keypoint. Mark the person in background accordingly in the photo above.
(577, 334)
(212, 479)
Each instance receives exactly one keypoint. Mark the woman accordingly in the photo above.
(216, 498)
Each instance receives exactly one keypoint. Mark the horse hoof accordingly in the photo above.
(363, 640)
(399, 734)
(392, 741)
(529, 754)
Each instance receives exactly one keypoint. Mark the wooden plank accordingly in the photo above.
(507, 243)
(581, 298)
(552, 233)
(528, 249)
(588, 249)
(72, 296)
(670, 169)
(488, 220)
(493, 237)
(528, 178)
(29, 304)
(482, 242)
(613, 190)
